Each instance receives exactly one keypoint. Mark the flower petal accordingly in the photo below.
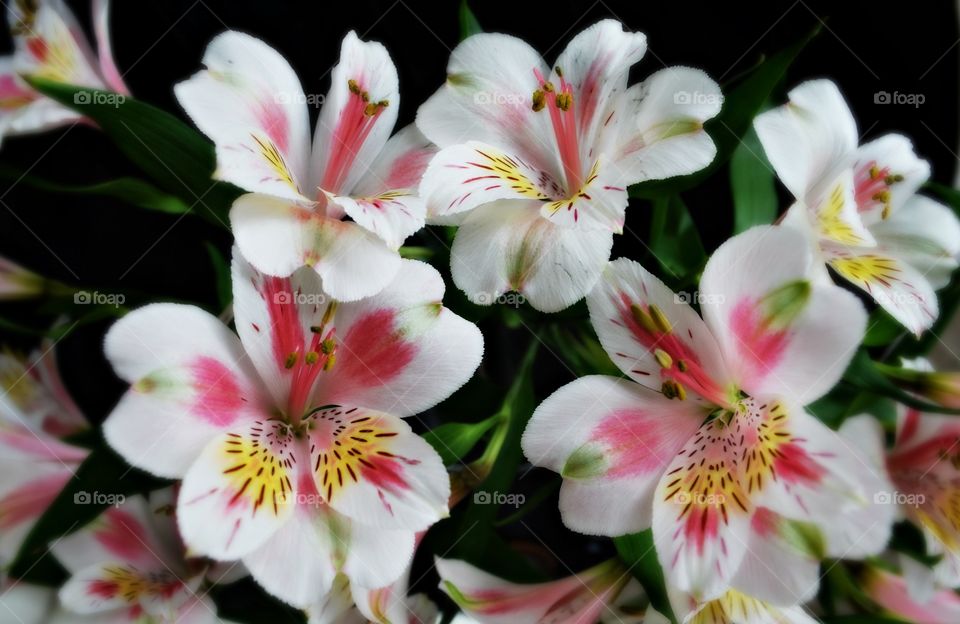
(507, 246)
(925, 234)
(372, 468)
(358, 115)
(891, 593)
(400, 351)
(734, 606)
(464, 176)
(278, 237)
(487, 97)
(599, 204)
(108, 66)
(249, 102)
(780, 332)
(897, 287)
(657, 128)
(893, 155)
(808, 138)
(373, 557)
(653, 335)
(189, 380)
(108, 586)
(596, 63)
(611, 440)
(296, 563)
(49, 43)
(701, 514)
(245, 480)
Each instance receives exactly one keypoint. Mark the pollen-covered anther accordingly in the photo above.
(312, 358)
(663, 358)
(564, 101)
(539, 100)
(291, 360)
(660, 319)
(673, 390)
(642, 318)
(331, 360)
(328, 346)
(353, 86)
(682, 366)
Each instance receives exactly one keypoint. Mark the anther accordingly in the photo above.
(663, 358)
(660, 319)
(642, 318)
(312, 358)
(354, 87)
(539, 100)
(331, 360)
(682, 366)
(328, 346)
(291, 359)
(673, 390)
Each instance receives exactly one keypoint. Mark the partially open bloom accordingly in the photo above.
(16, 282)
(708, 441)
(343, 205)
(924, 465)
(893, 593)
(290, 440)
(128, 566)
(49, 43)
(918, 376)
(535, 161)
(35, 412)
(605, 592)
(858, 203)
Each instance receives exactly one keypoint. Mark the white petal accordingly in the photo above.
(278, 237)
(108, 66)
(508, 246)
(611, 440)
(249, 102)
(926, 234)
(189, 380)
(781, 332)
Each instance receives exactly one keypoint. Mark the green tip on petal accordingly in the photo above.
(585, 462)
(782, 306)
(805, 536)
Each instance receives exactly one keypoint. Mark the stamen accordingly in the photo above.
(673, 390)
(663, 358)
(560, 104)
(872, 184)
(353, 127)
(291, 359)
(660, 319)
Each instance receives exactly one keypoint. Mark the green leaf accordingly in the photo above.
(101, 480)
(752, 181)
(741, 104)
(882, 329)
(468, 21)
(176, 156)
(453, 441)
(638, 552)
(864, 374)
(674, 239)
(131, 190)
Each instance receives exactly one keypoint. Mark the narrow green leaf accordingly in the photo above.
(752, 181)
(741, 104)
(221, 268)
(176, 156)
(453, 441)
(468, 21)
(674, 239)
(638, 552)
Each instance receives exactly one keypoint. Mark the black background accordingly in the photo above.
(866, 47)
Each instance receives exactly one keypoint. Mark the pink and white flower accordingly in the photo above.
(734, 607)
(708, 441)
(605, 592)
(858, 203)
(290, 440)
(342, 205)
(128, 565)
(535, 162)
(893, 593)
(49, 43)
(35, 412)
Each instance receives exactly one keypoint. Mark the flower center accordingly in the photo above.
(560, 105)
(872, 187)
(353, 127)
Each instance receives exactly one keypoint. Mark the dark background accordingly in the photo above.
(866, 47)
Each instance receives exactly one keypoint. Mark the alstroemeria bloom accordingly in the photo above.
(128, 566)
(735, 607)
(919, 376)
(541, 158)
(290, 440)
(708, 441)
(343, 205)
(589, 596)
(35, 411)
(858, 204)
(348, 604)
(924, 465)
(49, 43)
(893, 593)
